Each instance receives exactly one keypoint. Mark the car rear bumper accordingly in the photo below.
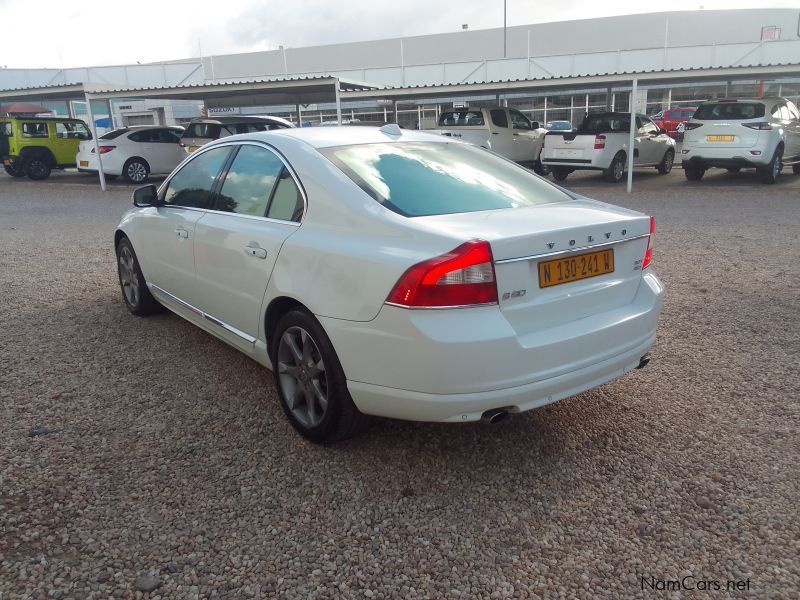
(453, 365)
(741, 162)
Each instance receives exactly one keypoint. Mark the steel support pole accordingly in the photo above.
(631, 135)
(111, 114)
(93, 127)
(505, 26)
(338, 102)
(299, 115)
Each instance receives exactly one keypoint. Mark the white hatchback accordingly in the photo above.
(134, 152)
(394, 273)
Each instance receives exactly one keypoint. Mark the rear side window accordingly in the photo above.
(461, 118)
(249, 182)
(38, 130)
(730, 110)
(202, 130)
(113, 134)
(499, 118)
(420, 179)
(191, 186)
(6, 130)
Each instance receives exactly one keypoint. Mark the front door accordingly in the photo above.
(258, 206)
(524, 138)
(169, 232)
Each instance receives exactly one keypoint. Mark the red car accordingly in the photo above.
(672, 117)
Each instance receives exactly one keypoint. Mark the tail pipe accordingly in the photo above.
(643, 361)
(494, 415)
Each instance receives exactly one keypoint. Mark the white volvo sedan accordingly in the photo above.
(394, 273)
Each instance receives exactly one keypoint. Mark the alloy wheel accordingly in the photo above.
(136, 172)
(304, 381)
(128, 277)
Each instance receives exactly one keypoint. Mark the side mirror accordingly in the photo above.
(535, 125)
(147, 195)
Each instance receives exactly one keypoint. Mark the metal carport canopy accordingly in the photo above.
(261, 92)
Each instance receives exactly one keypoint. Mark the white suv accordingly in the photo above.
(762, 134)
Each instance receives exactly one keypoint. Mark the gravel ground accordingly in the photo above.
(143, 454)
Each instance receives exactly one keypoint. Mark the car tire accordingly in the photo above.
(13, 171)
(733, 170)
(693, 172)
(135, 293)
(770, 173)
(541, 169)
(37, 168)
(311, 383)
(561, 173)
(796, 169)
(616, 170)
(136, 170)
(665, 166)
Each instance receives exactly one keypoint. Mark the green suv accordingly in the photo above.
(35, 146)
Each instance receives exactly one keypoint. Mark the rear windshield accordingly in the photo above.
(202, 130)
(729, 110)
(420, 179)
(605, 124)
(113, 134)
(461, 118)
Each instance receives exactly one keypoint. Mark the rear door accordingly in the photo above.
(648, 142)
(258, 206)
(164, 149)
(500, 138)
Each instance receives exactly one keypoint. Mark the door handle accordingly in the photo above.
(495, 133)
(182, 233)
(256, 251)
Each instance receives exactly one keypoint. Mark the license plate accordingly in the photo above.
(84, 163)
(567, 153)
(720, 138)
(574, 268)
(7, 162)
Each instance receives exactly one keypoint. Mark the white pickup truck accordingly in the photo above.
(601, 143)
(505, 131)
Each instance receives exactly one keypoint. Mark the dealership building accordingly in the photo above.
(558, 70)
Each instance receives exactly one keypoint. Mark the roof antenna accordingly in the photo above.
(392, 129)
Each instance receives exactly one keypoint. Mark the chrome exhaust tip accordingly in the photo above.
(494, 415)
(643, 361)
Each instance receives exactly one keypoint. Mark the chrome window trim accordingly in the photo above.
(238, 332)
(440, 307)
(265, 145)
(569, 250)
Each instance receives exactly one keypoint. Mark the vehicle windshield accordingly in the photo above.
(418, 179)
(729, 110)
(114, 133)
(461, 118)
(605, 123)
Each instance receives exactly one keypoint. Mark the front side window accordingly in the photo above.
(250, 180)
(6, 130)
(202, 130)
(192, 185)
(519, 121)
(73, 131)
(421, 179)
(38, 130)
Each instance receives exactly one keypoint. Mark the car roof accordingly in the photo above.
(239, 119)
(763, 100)
(342, 135)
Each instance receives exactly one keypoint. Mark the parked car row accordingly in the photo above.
(734, 134)
(34, 146)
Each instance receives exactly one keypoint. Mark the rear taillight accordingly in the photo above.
(651, 242)
(689, 126)
(104, 149)
(462, 277)
(599, 141)
(762, 126)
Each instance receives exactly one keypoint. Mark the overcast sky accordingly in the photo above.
(50, 33)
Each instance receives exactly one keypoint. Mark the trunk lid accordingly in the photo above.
(722, 134)
(522, 238)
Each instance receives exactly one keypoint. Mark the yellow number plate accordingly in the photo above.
(7, 162)
(573, 268)
(193, 149)
(84, 163)
(720, 138)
